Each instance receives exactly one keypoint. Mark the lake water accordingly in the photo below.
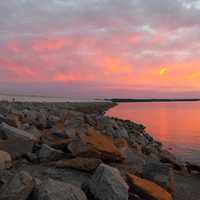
(175, 124)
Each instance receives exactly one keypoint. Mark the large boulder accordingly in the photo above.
(56, 190)
(107, 184)
(9, 130)
(95, 145)
(5, 160)
(48, 153)
(147, 189)
(83, 164)
(18, 188)
(16, 141)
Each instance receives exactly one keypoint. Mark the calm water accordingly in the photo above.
(175, 124)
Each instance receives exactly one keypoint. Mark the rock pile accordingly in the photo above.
(54, 151)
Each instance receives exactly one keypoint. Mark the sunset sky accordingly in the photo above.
(100, 48)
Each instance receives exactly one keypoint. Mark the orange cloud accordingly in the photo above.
(194, 75)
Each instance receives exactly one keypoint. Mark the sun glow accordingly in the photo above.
(163, 71)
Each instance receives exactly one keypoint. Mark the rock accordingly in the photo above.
(59, 127)
(47, 153)
(193, 167)
(161, 174)
(147, 189)
(91, 120)
(18, 188)
(75, 125)
(95, 145)
(107, 184)
(121, 143)
(11, 120)
(17, 142)
(5, 176)
(124, 168)
(31, 157)
(33, 131)
(133, 158)
(37, 118)
(73, 119)
(55, 140)
(147, 150)
(52, 120)
(70, 132)
(83, 164)
(167, 157)
(110, 127)
(5, 160)
(9, 130)
(56, 190)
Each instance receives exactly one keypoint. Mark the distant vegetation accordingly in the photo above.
(151, 100)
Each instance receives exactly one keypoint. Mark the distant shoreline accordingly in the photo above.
(151, 100)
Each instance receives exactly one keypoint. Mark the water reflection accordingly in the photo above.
(176, 124)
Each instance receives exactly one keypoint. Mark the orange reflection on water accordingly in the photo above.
(175, 124)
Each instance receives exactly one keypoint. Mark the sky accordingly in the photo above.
(100, 48)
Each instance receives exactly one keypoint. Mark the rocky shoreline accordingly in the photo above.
(71, 151)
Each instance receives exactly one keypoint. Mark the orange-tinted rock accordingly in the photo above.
(147, 189)
(95, 145)
(60, 126)
(83, 164)
(14, 120)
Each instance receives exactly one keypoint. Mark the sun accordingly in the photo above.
(163, 71)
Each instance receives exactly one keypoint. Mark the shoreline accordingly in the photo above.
(75, 143)
(153, 100)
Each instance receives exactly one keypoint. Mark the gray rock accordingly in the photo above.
(17, 142)
(47, 153)
(70, 132)
(5, 160)
(134, 158)
(56, 190)
(168, 157)
(9, 130)
(160, 173)
(37, 118)
(18, 188)
(74, 119)
(5, 176)
(107, 184)
(33, 131)
(110, 127)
